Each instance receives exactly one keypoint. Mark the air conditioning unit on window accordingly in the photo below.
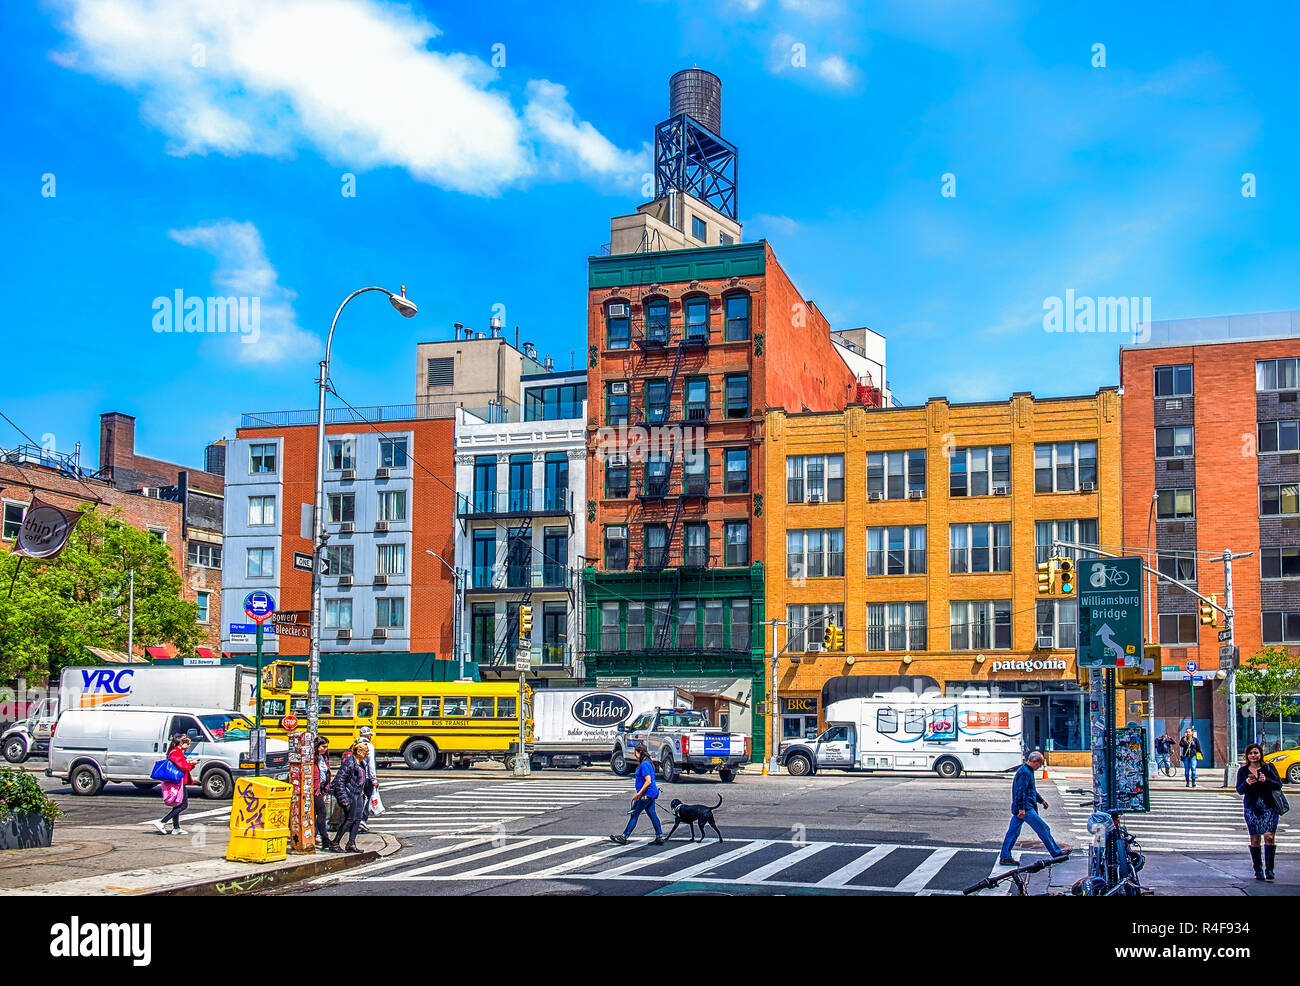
(1174, 405)
(345, 581)
(383, 472)
(877, 495)
(1046, 643)
(379, 633)
(381, 527)
(814, 498)
(1001, 490)
(347, 527)
(618, 388)
(344, 635)
(916, 494)
(1087, 487)
(348, 474)
(381, 580)
(617, 311)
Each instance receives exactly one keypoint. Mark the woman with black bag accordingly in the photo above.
(1261, 789)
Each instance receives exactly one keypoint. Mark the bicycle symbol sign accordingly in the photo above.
(1108, 576)
(1110, 612)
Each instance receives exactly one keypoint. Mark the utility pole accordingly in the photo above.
(130, 619)
(772, 761)
(1228, 557)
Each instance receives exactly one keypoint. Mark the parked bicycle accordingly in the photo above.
(1103, 880)
(1019, 877)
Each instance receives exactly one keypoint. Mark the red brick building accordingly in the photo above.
(1211, 431)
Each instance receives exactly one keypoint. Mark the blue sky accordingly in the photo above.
(492, 142)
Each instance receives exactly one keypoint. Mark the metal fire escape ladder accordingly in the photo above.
(664, 637)
(511, 638)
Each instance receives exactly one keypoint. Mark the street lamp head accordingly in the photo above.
(404, 305)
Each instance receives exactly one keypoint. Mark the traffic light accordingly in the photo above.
(837, 637)
(828, 637)
(1047, 577)
(1207, 613)
(1066, 569)
(525, 621)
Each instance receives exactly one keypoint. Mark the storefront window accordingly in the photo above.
(1055, 713)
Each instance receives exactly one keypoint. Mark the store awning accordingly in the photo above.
(159, 652)
(115, 656)
(204, 652)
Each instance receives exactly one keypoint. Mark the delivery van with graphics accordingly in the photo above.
(233, 687)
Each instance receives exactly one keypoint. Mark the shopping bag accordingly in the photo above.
(172, 794)
(1199, 757)
(165, 770)
(376, 804)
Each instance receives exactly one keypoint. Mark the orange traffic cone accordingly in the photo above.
(1044, 777)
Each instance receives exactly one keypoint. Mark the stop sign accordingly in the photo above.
(290, 722)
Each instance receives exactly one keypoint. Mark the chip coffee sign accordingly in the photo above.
(45, 530)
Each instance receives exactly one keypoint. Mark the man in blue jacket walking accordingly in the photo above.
(1024, 808)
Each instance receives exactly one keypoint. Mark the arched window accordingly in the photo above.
(618, 324)
(735, 312)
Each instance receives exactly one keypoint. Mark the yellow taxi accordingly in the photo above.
(1286, 763)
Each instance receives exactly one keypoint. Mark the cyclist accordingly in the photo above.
(1164, 747)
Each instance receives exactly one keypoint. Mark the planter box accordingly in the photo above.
(25, 832)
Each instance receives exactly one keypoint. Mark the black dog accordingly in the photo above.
(693, 815)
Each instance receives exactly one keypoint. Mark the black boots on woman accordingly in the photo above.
(1255, 860)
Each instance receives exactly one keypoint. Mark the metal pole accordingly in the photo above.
(257, 760)
(1151, 639)
(1232, 670)
(523, 767)
(317, 546)
(772, 763)
(130, 619)
(1112, 875)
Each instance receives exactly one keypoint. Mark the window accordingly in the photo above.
(1176, 504)
(895, 550)
(261, 563)
(392, 453)
(506, 707)
(815, 554)
(1048, 531)
(725, 239)
(205, 554)
(338, 559)
(1065, 467)
(1174, 443)
(261, 458)
(807, 625)
(656, 544)
(736, 325)
(440, 371)
(1057, 618)
(656, 320)
(636, 626)
(736, 543)
(736, 474)
(695, 542)
(555, 619)
(1277, 374)
(485, 483)
(342, 454)
(896, 626)
(482, 641)
(609, 627)
(697, 318)
(159, 533)
(342, 508)
(617, 324)
(521, 481)
(455, 707)
(615, 548)
(1180, 565)
(814, 478)
(390, 559)
(617, 482)
(482, 707)
(697, 399)
(1278, 499)
(392, 505)
(484, 558)
(977, 548)
(699, 229)
(1177, 628)
(1174, 381)
(201, 601)
(13, 520)
(430, 707)
(338, 614)
(556, 479)
(390, 613)
(737, 392)
(555, 556)
(617, 403)
(980, 471)
(656, 475)
(261, 511)
(554, 402)
(656, 401)
(887, 720)
(1279, 436)
(980, 624)
(1281, 627)
(740, 627)
(895, 475)
(1279, 563)
(695, 472)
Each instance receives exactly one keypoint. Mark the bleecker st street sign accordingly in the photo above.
(1110, 612)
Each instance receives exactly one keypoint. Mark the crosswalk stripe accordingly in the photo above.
(716, 861)
(848, 871)
(923, 874)
(581, 861)
(420, 870)
(540, 854)
(784, 863)
(638, 863)
(364, 872)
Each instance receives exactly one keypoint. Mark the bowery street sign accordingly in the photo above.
(1110, 612)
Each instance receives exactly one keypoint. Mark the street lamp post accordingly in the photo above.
(1151, 689)
(457, 602)
(406, 308)
(773, 762)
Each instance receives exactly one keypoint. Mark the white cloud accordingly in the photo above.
(836, 70)
(353, 79)
(549, 115)
(243, 271)
(764, 223)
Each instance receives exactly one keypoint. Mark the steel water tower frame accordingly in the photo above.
(690, 154)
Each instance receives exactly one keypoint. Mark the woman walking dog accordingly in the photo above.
(644, 799)
(1260, 787)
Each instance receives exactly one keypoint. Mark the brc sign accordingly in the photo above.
(101, 685)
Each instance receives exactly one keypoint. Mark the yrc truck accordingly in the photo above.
(679, 740)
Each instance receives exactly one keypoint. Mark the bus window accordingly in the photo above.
(408, 707)
(453, 706)
(343, 706)
(505, 708)
(914, 721)
(298, 705)
(365, 709)
(886, 720)
(387, 706)
(481, 708)
(943, 724)
(322, 705)
(272, 708)
(429, 707)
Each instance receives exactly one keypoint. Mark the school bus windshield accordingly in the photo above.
(227, 729)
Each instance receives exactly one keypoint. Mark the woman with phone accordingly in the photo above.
(1257, 783)
(176, 754)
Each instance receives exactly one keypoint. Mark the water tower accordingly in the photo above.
(690, 154)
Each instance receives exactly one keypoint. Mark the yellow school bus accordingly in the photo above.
(428, 724)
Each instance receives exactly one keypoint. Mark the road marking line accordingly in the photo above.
(541, 853)
(496, 850)
(848, 871)
(923, 874)
(364, 872)
(784, 863)
(738, 853)
(574, 864)
(649, 860)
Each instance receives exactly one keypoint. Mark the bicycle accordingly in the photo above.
(1102, 824)
(1019, 877)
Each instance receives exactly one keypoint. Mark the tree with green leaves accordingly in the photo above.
(1270, 681)
(61, 606)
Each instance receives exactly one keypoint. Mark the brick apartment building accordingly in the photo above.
(925, 550)
(1212, 431)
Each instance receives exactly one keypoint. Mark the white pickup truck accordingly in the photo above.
(679, 740)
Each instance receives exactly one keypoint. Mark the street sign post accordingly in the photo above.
(259, 606)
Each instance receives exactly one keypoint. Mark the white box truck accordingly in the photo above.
(903, 732)
(576, 727)
(231, 688)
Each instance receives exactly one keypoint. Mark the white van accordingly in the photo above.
(904, 732)
(92, 747)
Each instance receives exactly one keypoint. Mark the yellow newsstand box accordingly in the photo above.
(259, 821)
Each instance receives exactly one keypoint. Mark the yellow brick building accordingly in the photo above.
(921, 530)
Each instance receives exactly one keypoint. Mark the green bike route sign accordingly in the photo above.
(1110, 612)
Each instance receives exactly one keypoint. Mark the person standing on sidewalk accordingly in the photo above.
(644, 799)
(1256, 783)
(1189, 748)
(1024, 808)
(321, 790)
(372, 775)
(1164, 747)
(176, 754)
(349, 788)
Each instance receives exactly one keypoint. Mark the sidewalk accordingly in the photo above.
(1209, 778)
(130, 860)
(1185, 874)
